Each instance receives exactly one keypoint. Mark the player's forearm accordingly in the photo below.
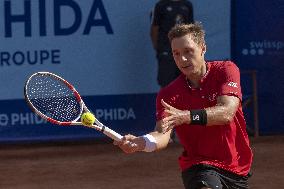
(162, 139)
(219, 115)
(223, 112)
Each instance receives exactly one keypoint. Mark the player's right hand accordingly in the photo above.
(130, 144)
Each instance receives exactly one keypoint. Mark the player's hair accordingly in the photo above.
(195, 31)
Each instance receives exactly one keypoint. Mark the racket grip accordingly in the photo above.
(112, 134)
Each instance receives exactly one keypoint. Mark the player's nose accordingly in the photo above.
(183, 58)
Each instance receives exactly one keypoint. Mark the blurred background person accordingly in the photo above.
(166, 14)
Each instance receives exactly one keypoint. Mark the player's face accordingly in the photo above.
(188, 55)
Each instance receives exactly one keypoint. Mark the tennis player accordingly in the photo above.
(203, 105)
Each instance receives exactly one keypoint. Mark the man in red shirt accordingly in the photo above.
(203, 105)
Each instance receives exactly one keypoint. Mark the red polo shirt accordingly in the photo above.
(223, 146)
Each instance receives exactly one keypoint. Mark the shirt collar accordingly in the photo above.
(203, 79)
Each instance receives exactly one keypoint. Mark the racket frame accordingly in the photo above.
(83, 108)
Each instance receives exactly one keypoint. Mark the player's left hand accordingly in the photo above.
(175, 117)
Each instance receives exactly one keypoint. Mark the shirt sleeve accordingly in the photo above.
(229, 79)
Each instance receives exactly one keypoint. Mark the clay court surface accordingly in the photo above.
(100, 165)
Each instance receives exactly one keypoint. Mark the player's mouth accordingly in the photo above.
(187, 66)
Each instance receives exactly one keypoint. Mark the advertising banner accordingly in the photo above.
(258, 44)
(102, 47)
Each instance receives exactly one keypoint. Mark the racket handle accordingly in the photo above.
(112, 134)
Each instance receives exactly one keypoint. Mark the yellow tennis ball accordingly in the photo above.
(88, 119)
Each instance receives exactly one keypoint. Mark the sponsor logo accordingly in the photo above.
(35, 57)
(233, 84)
(195, 118)
(16, 119)
(259, 48)
(29, 19)
(30, 118)
(79, 20)
(115, 114)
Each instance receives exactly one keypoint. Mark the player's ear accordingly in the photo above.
(203, 49)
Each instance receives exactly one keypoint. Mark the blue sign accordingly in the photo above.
(123, 113)
(258, 44)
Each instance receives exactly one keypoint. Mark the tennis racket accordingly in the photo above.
(57, 101)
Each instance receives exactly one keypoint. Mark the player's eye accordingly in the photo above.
(176, 54)
(188, 51)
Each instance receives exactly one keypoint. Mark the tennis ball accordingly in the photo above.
(88, 119)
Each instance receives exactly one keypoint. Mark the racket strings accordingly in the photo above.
(53, 98)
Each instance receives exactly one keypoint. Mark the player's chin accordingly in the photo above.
(187, 71)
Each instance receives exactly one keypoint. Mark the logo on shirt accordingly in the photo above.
(212, 97)
(169, 8)
(233, 84)
(179, 19)
(184, 8)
